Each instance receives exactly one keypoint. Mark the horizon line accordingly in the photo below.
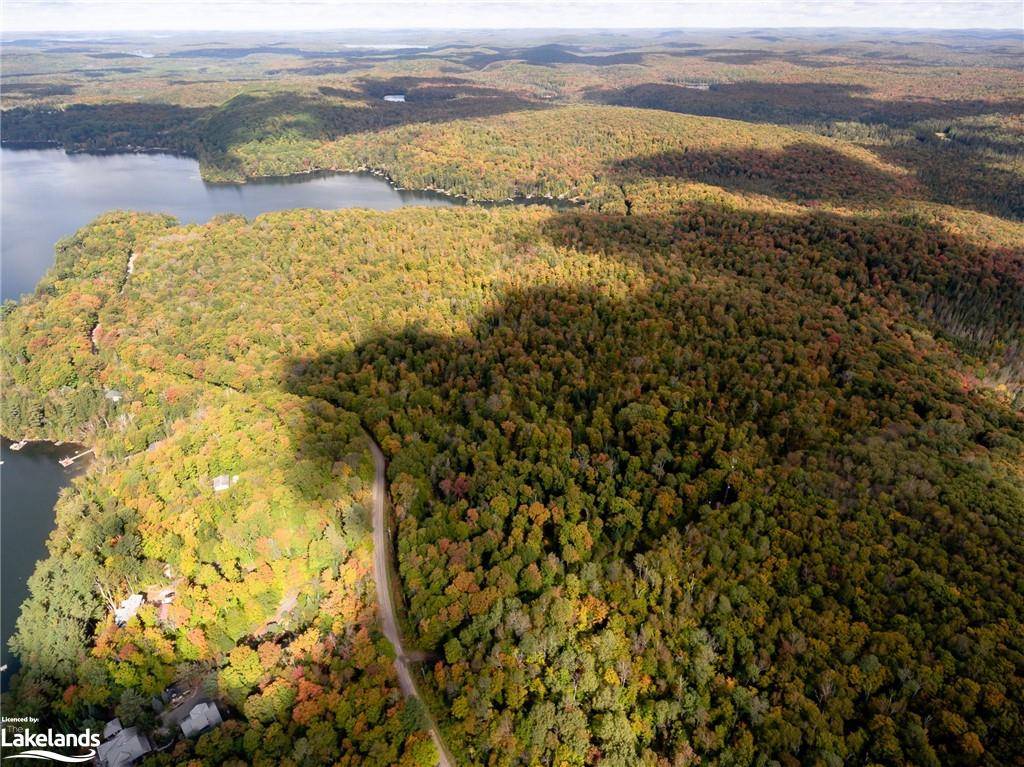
(322, 30)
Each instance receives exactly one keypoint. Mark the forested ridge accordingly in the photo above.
(272, 610)
(701, 483)
(575, 152)
(722, 464)
(943, 106)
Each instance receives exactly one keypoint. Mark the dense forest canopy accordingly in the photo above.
(721, 464)
(945, 106)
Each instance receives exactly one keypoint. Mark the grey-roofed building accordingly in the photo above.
(202, 717)
(124, 748)
(112, 728)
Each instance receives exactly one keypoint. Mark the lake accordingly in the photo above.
(47, 195)
(30, 480)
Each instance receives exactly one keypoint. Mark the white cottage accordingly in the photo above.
(127, 609)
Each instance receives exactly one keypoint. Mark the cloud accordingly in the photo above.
(154, 15)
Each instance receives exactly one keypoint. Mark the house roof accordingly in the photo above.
(123, 749)
(202, 717)
(112, 728)
(127, 609)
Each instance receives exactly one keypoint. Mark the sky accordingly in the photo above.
(280, 15)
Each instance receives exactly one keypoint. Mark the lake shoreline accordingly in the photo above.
(29, 441)
(89, 184)
(33, 480)
(300, 176)
(30, 506)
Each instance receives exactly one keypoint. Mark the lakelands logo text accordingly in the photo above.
(38, 745)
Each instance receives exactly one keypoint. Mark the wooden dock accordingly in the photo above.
(70, 460)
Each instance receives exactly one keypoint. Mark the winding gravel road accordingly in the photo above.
(382, 579)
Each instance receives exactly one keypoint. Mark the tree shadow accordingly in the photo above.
(548, 56)
(38, 90)
(428, 89)
(579, 449)
(214, 133)
(967, 293)
(347, 54)
(755, 56)
(107, 127)
(975, 173)
(800, 171)
(954, 166)
(797, 103)
(326, 68)
(289, 117)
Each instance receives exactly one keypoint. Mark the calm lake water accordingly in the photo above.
(30, 480)
(47, 195)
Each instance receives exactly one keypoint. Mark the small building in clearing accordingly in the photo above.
(398, 98)
(202, 717)
(123, 747)
(112, 728)
(223, 482)
(127, 609)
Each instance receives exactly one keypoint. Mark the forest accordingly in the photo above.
(945, 106)
(719, 460)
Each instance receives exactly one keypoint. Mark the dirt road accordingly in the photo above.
(382, 578)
